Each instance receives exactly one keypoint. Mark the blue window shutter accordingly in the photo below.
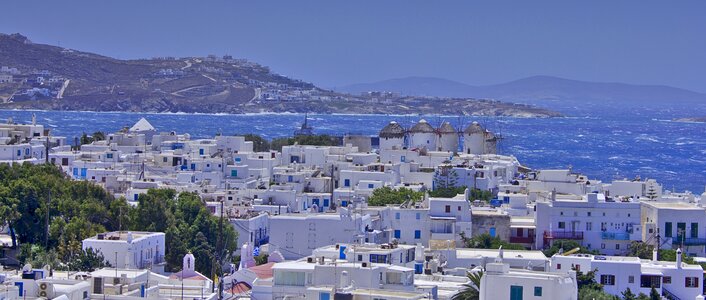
(370, 185)
(417, 234)
(397, 215)
(346, 182)
(200, 151)
(398, 233)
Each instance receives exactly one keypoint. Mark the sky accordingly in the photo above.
(335, 43)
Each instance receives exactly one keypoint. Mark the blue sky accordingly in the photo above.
(334, 43)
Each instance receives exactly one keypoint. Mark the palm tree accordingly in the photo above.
(471, 291)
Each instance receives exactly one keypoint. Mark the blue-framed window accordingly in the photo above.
(370, 185)
(346, 182)
(538, 291)
(27, 151)
(378, 258)
(109, 155)
(326, 202)
(324, 296)
(201, 151)
(397, 216)
(403, 158)
(19, 152)
(75, 172)
(418, 216)
(506, 199)
(417, 234)
(398, 233)
(237, 159)
(233, 173)
(135, 197)
(290, 178)
(193, 166)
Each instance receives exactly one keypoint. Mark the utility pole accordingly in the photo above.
(46, 221)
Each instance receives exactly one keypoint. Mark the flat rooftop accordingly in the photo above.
(507, 254)
(672, 205)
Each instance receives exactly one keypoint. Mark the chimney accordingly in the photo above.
(654, 255)
(679, 258)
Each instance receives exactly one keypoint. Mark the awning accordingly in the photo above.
(442, 218)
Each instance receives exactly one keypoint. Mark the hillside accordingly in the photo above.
(55, 78)
(531, 88)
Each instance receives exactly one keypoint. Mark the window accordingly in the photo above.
(608, 279)
(233, 173)
(419, 216)
(589, 226)
(617, 246)
(631, 279)
(691, 282)
(324, 296)
(448, 208)
(378, 258)
(417, 234)
(109, 155)
(538, 291)
(558, 266)
(589, 213)
(164, 159)
(346, 182)
(562, 225)
(397, 216)
(370, 185)
(19, 152)
(459, 208)
(398, 233)
(602, 245)
(667, 279)
(201, 152)
(694, 230)
(668, 229)
(290, 278)
(360, 257)
(650, 281)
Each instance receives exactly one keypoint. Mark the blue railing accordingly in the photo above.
(616, 236)
(689, 241)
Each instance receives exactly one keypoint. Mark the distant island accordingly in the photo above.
(692, 119)
(527, 90)
(38, 76)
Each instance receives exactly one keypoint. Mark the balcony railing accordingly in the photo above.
(522, 239)
(563, 235)
(689, 241)
(615, 236)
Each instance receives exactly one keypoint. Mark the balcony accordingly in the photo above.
(563, 235)
(615, 236)
(522, 239)
(689, 241)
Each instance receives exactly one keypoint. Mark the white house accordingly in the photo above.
(128, 249)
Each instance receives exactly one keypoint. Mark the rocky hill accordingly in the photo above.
(55, 78)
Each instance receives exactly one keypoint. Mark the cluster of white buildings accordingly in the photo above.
(307, 207)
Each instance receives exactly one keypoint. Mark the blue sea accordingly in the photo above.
(604, 141)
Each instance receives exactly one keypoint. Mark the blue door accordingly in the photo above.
(492, 231)
(515, 292)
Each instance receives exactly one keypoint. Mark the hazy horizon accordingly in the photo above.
(333, 44)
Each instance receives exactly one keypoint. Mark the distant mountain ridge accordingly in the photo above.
(530, 88)
(55, 78)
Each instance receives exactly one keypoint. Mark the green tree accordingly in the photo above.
(87, 260)
(470, 291)
(485, 241)
(628, 295)
(567, 245)
(654, 295)
(85, 139)
(98, 136)
(386, 196)
(589, 294)
(260, 144)
(447, 192)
